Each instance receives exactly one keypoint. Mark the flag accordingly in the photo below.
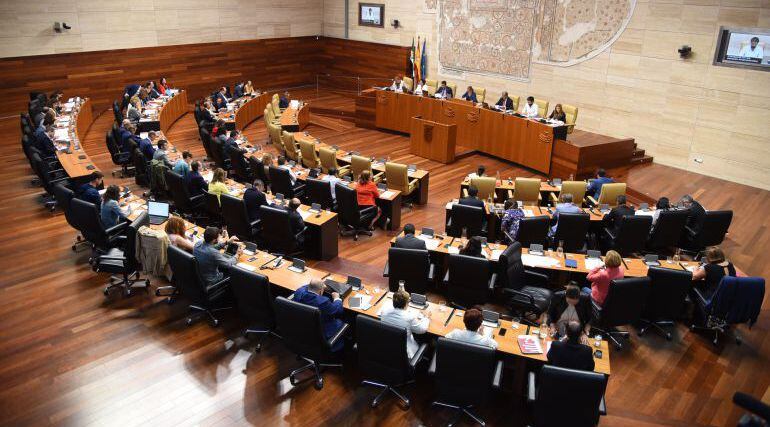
(417, 56)
(423, 60)
(412, 57)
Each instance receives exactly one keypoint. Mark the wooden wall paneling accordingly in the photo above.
(343, 61)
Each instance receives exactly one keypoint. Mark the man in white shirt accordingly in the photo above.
(530, 108)
(283, 165)
(472, 320)
(397, 314)
(332, 179)
(421, 88)
(752, 50)
(398, 85)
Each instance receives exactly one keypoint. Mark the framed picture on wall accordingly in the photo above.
(371, 14)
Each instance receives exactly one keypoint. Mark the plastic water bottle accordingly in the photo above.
(560, 249)
(543, 331)
(677, 255)
(401, 287)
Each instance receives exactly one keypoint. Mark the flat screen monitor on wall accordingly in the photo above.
(743, 47)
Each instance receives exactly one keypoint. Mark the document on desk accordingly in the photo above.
(528, 212)
(592, 263)
(530, 344)
(305, 214)
(538, 261)
(453, 250)
(61, 134)
(495, 254)
(245, 266)
(387, 194)
(361, 301)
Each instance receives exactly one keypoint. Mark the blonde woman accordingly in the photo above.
(600, 277)
(217, 185)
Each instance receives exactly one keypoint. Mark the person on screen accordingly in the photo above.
(398, 85)
(753, 49)
(530, 108)
(470, 95)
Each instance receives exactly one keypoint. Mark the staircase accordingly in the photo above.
(638, 157)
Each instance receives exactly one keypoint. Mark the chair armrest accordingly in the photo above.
(333, 340)
(432, 271)
(196, 199)
(465, 192)
(531, 379)
(597, 310)
(378, 176)
(255, 223)
(446, 277)
(432, 367)
(602, 407)
(116, 228)
(699, 298)
(413, 182)
(112, 258)
(609, 234)
(301, 232)
(519, 295)
(510, 194)
(386, 270)
(492, 281)
(536, 279)
(592, 201)
(57, 180)
(553, 197)
(690, 231)
(496, 378)
(299, 187)
(417, 356)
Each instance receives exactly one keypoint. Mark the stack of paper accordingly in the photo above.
(538, 261)
(245, 266)
(61, 135)
(592, 263)
(496, 254)
(386, 194)
(453, 250)
(528, 212)
(529, 344)
(305, 214)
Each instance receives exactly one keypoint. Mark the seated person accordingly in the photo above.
(421, 88)
(408, 241)
(211, 261)
(332, 179)
(175, 230)
(217, 185)
(295, 218)
(253, 198)
(152, 93)
(111, 213)
(595, 186)
(163, 85)
(398, 314)
(473, 247)
(661, 205)
(571, 353)
(504, 103)
(207, 118)
(196, 184)
(123, 134)
(248, 88)
(331, 309)
(220, 98)
(182, 166)
(530, 108)
(283, 100)
(89, 191)
(470, 95)
(444, 91)
(567, 306)
(710, 273)
(230, 145)
(613, 219)
(283, 164)
(44, 140)
(145, 145)
(398, 85)
(472, 320)
(367, 194)
(558, 114)
(238, 90)
(512, 216)
(480, 171)
(696, 213)
(565, 206)
(160, 154)
(472, 199)
(134, 111)
(600, 277)
(752, 50)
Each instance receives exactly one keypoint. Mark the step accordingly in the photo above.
(641, 160)
(638, 152)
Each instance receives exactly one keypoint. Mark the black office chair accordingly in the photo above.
(117, 112)
(668, 291)
(217, 152)
(466, 218)
(205, 137)
(64, 196)
(301, 328)
(572, 229)
(184, 205)
(254, 301)
(353, 220)
(119, 158)
(382, 357)
(258, 169)
(737, 300)
(566, 397)
(237, 219)
(280, 182)
(631, 235)
(240, 167)
(319, 191)
(48, 178)
(469, 280)
(622, 306)
(464, 375)
(711, 233)
(205, 299)
(667, 231)
(141, 169)
(212, 207)
(413, 266)
(123, 261)
(277, 233)
(526, 290)
(89, 222)
(533, 230)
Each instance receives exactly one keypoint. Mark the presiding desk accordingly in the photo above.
(244, 110)
(295, 117)
(520, 140)
(162, 112)
(71, 127)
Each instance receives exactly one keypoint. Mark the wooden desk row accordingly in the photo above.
(245, 110)
(516, 139)
(161, 113)
(71, 127)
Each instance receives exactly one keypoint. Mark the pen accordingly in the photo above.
(624, 263)
(451, 313)
(539, 210)
(682, 265)
(380, 299)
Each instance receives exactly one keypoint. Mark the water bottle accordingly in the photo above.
(571, 177)
(543, 331)
(677, 255)
(401, 285)
(560, 249)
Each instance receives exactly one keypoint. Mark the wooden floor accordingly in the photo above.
(68, 356)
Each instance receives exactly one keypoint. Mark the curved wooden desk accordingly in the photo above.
(246, 109)
(74, 159)
(172, 110)
(295, 119)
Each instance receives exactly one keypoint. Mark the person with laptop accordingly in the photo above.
(472, 320)
(217, 186)
(211, 261)
(601, 277)
(414, 322)
(408, 240)
(567, 306)
(571, 353)
(111, 213)
(331, 309)
(175, 230)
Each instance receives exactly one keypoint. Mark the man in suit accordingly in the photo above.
(220, 98)
(696, 213)
(44, 140)
(152, 93)
(283, 100)
(295, 218)
(331, 309)
(145, 145)
(253, 198)
(408, 241)
(196, 185)
(504, 102)
(595, 186)
(571, 354)
(238, 90)
(207, 119)
(613, 219)
(472, 199)
(230, 145)
(89, 191)
(444, 91)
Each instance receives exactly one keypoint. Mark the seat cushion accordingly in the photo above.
(541, 296)
(110, 265)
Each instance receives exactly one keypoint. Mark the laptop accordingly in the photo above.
(341, 288)
(490, 318)
(651, 260)
(158, 212)
(418, 301)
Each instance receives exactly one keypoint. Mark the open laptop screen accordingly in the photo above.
(157, 209)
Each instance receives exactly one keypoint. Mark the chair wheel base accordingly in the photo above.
(319, 384)
(189, 321)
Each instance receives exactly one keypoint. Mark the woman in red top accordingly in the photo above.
(367, 194)
(600, 277)
(163, 85)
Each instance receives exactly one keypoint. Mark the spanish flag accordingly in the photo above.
(416, 62)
